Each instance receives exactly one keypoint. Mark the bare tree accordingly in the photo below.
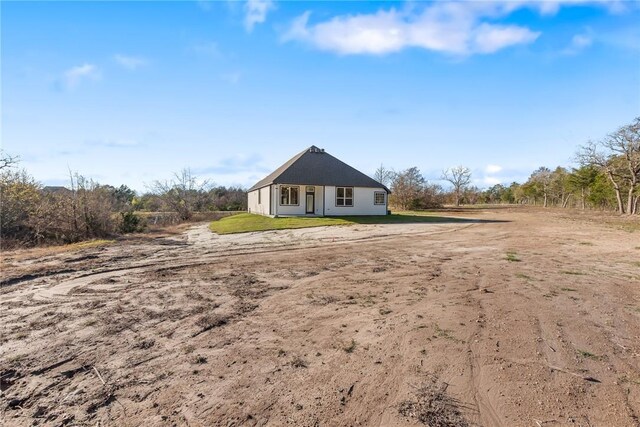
(182, 193)
(383, 175)
(541, 178)
(32, 214)
(618, 157)
(7, 160)
(406, 188)
(460, 178)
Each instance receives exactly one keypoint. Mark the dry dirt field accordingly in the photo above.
(523, 318)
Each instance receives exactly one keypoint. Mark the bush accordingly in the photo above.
(32, 214)
(131, 223)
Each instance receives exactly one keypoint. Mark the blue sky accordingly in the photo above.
(127, 93)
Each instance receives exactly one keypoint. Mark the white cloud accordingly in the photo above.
(491, 38)
(73, 76)
(454, 28)
(581, 41)
(493, 168)
(578, 43)
(256, 12)
(130, 62)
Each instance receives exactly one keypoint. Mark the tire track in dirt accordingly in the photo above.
(62, 288)
(476, 388)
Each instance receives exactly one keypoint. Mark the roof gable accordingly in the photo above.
(314, 166)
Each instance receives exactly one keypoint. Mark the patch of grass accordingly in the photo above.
(385, 311)
(574, 273)
(444, 333)
(586, 243)
(89, 244)
(630, 227)
(568, 289)
(246, 222)
(43, 251)
(587, 354)
(512, 257)
(523, 276)
(351, 347)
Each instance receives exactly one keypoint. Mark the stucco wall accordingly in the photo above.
(301, 208)
(252, 201)
(362, 203)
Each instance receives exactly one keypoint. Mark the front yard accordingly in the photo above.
(246, 222)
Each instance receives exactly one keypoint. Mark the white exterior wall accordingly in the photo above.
(252, 201)
(363, 203)
(301, 208)
(319, 200)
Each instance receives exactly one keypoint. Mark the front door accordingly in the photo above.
(310, 203)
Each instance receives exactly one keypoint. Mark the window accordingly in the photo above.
(378, 198)
(259, 197)
(289, 195)
(344, 196)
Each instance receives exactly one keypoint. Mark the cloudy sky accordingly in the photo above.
(126, 93)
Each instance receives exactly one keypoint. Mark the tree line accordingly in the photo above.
(32, 213)
(606, 177)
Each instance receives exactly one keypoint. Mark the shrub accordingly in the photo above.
(131, 223)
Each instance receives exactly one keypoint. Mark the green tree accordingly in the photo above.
(581, 180)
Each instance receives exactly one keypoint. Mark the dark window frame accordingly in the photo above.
(289, 188)
(260, 196)
(344, 197)
(384, 198)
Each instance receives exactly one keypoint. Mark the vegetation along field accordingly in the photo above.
(514, 317)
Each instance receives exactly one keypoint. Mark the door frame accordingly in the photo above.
(313, 203)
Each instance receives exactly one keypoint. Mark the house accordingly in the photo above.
(314, 183)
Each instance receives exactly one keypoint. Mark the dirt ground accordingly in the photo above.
(522, 318)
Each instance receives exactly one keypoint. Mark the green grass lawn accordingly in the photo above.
(246, 222)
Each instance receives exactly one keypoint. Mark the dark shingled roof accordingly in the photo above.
(314, 166)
